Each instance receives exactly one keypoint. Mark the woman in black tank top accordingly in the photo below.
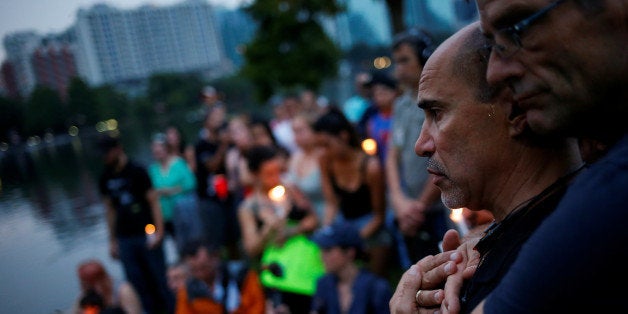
(353, 185)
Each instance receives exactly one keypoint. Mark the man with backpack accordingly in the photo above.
(217, 287)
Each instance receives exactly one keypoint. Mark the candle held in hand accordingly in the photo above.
(150, 233)
(369, 146)
(457, 217)
(278, 196)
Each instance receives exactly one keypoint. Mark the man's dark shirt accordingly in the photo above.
(206, 150)
(501, 244)
(575, 262)
(127, 191)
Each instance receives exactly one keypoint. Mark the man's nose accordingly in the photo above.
(501, 70)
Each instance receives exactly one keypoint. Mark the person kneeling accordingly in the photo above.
(346, 287)
(217, 287)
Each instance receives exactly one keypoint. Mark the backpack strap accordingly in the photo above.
(241, 270)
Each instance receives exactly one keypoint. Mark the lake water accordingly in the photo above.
(51, 219)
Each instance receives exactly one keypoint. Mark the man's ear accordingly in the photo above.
(516, 120)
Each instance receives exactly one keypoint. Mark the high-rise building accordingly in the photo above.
(3, 86)
(376, 15)
(116, 45)
(53, 65)
(19, 47)
(363, 22)
(362, 32)
(337, 28)
(464, 12)
(9, 80)
(438, 16)
(237, 29)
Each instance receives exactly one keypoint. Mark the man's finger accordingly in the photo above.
(453, 287)
(451, 240)
(473, 261)
(435, 278)
(403, 300)
(430, 299)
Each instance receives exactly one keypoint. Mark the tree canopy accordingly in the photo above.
(290, 49)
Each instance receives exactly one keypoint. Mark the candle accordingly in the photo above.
(369, 146)
(456, 217)
(221, 186)
(278, 196)
(150, 233)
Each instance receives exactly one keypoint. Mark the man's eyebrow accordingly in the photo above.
(425, 103)
(506, 17)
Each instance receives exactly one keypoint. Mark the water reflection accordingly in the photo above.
(51, 219)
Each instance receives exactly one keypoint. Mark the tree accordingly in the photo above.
(238, 93)
(45, 112)
(290, 49)
(111, 104)
(12, 117)
(82, 103)
(395, 7)
(175, 91)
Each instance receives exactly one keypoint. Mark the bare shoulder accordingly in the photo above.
(126, 289)
(129, 299)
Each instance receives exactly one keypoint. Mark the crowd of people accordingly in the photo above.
(295, 214)
(245, 200)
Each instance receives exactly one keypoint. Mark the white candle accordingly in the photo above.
(150, 233)
(456, 217)
(369, 146)
(278, 196)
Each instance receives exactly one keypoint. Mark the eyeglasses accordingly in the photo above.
(511, 36)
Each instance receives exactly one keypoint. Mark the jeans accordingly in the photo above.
(146, 270)
(187, 220)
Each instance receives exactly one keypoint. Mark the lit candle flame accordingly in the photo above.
(277, 193)
(369, 146)
(456, 216)
(278, 196)
(150, 229)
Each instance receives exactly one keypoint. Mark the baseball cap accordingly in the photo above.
(191, 247)
(339, 234)
(382, 79)
(107, 142)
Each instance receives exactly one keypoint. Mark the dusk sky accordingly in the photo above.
(52, 16)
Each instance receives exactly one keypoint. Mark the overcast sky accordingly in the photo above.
(52, 16)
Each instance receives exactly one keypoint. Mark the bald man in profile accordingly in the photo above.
(482, 156)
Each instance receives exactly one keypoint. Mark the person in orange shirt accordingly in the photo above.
(100, 292)
(216, 287)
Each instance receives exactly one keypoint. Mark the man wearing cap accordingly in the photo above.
(217, 287)
(346, 287)
(210, 98)
(357, 104)
(419, 216)
(132, 208)
(384, 93)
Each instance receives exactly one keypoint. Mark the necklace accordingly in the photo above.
(561, 184)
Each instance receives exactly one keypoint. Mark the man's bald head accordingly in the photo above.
(460, 55)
